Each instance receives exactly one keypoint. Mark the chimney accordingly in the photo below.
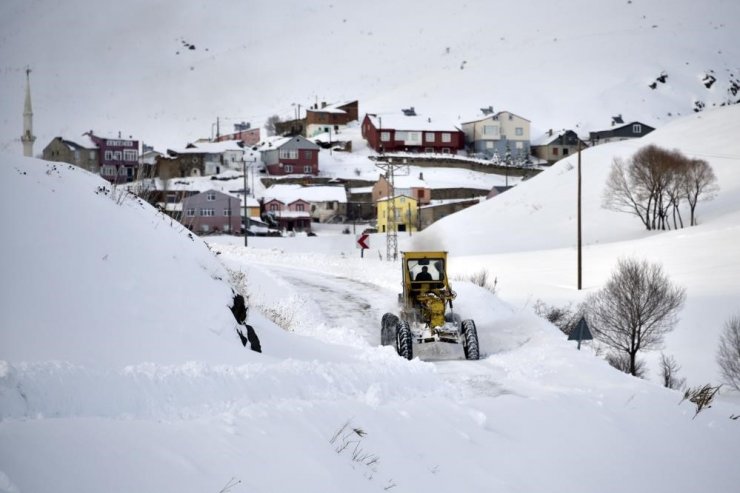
(323, 104)
(421, 175)
(549, 133)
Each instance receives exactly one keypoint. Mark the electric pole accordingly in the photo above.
(392, 215)
(580, 274)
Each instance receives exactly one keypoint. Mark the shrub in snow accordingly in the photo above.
(728, 356)
(635, 309)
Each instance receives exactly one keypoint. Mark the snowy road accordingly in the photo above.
(348, 307)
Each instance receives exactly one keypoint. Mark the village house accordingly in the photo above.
(83, 153)
(212, 212)
(330, 118)
(501, 134)
(406, 213)
(243, 132)
(116, 159)
(415, 188)
(289, 155)
(324, 203)
(619, 131)
(201, 159)
(556, 145)
(293, 216)
(409, 132)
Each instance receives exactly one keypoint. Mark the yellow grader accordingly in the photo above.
(426, 312)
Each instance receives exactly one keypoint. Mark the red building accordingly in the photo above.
(290, 156)
(118, 157)
(409, 132)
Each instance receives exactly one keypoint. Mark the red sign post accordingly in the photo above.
(363, 243)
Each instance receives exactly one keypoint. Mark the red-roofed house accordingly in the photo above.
(411, 133)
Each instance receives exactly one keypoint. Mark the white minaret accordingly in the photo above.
(28, 137)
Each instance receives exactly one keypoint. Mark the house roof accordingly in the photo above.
(209, 147)
(626, 125)
(547, 138)
(480, 117)
(291, 193)
(275, 142)
(419, 123)
(332, 108)
(83, 142)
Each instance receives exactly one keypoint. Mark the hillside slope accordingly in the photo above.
(139, 383)
(164, 74)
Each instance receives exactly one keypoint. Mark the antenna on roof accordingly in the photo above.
(487, 111)
(409, 111)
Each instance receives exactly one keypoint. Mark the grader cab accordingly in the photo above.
(426, 309)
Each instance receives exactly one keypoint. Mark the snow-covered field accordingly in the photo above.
(120, 367)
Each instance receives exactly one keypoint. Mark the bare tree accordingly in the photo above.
(652, 184)
(271, 124)
(700, 182)
(622, 362)
(622, 196)
(669, 372)
(635, 309)
(728, 356)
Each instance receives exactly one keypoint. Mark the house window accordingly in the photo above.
(207, 212)
(129, 155)
(414, 138)
(555, 151)
(288, 168)
(307, 154)
(636, 128)
(520, 145)
(92, 154)
(308, 169)
(117, 155)
(211, 197)
(429, 136)
(565, 151)
(490, 130)
(108, 155)
(289, 154)
(519, 131)
(446, 137)
(273, 207)
(227, 212)
(205, 228)
(428, 149)
(299, 207)
(445, 150)
(190, 212)
(385, 136)
(401, 136)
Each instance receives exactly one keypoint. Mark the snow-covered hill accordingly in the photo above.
(120, 369)
(165, 73)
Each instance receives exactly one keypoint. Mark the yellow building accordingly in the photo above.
(406, 213)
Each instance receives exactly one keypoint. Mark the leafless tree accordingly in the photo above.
(622, 362)
(728, 356)
(271, 123)
(652, 184)
(669, 373)
(565, 317)
(700, 183)
(635, 309)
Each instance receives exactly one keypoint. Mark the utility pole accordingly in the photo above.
(246, 216)
(580, 273)
(391, 230)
